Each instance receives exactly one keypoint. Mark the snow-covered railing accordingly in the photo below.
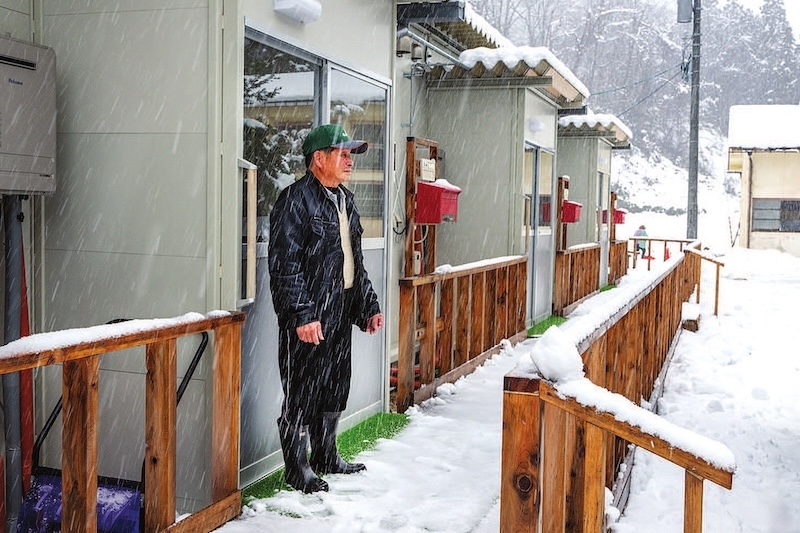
(79, 351)
(648, 255)
(576, 276)
(719, 264)
(458, 315)
(624, 346)
(543, 477)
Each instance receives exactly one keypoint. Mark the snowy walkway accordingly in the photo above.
(736, 381)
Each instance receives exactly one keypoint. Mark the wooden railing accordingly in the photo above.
(577, 275)
(617, 261)
(625, 354)
(80, 352)
(718, 264)
(662, 246)
(547, 433)
(458, 317)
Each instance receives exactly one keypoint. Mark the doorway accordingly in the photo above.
(538, 184)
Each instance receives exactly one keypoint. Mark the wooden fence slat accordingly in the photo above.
(576, 447)
(463, 322)
(595, 482)
(427, 345)
(478, 323)
(79, 445)
(225, 412)
(554, 483)
(405, 348)
(522, 299)
(519, 489)
(490, 310)
(444, 347)
(501, 306)
(160, 439)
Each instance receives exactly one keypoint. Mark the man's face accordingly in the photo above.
(333, 168)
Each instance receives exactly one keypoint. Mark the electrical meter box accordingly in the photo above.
(437, 202)
(27, 118)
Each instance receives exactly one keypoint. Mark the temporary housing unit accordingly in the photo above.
(167, 116)
(585, 144)
(493, 112)
(764, 148)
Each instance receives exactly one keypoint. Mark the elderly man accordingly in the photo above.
(320, 289)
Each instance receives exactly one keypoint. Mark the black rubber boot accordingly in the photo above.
(325, 458)
(298, 474)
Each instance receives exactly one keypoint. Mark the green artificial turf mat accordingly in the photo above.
(355, 440)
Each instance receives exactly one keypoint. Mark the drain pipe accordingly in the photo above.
(12, 218)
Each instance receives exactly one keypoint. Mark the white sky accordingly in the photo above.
(734, 381)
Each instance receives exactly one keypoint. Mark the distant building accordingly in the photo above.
(764, 148)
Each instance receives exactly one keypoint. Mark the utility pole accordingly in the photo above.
(694, 125)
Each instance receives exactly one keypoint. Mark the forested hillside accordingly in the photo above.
(634, 57)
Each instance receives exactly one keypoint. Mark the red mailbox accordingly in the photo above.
(619, 216)
(437, 202)
(570, 211)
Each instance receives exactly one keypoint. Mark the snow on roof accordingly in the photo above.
(764, 126)
(482, 26)
(511, 56)
(592, 121)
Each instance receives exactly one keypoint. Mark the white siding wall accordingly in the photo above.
(774, 175)
(477, 129)
(575, 158)
(126, 231)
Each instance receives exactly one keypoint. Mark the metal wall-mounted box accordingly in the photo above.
(437, 202)
(27, 118)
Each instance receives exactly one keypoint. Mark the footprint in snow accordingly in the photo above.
(760, 394)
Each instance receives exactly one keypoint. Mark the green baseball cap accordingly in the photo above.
(331, 136)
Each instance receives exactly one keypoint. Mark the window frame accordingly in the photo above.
(322, 105)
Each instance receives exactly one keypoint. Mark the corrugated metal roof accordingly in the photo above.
(454, 22)
(603, 125)
(542, 74)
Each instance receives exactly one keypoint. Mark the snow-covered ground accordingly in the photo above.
(735, 381)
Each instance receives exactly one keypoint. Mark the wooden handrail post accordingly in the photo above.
(160, 422)
(79, 441)
(698, 273)
(405, 348)
(225, 411)
(693, 504)
(519, 483)
(716, 292)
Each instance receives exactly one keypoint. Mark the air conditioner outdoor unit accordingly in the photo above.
(27, 118)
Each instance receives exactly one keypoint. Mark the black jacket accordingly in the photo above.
(306, 260)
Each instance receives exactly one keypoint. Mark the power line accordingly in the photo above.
(653, 92)
(637, 82)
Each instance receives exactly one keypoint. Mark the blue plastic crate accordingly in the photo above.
(117, 508)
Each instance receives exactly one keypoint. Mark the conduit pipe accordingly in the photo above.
(12, 216)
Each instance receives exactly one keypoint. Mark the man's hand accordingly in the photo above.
(375, 323)
(311, 332)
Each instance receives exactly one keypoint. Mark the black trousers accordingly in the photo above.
(316, 378)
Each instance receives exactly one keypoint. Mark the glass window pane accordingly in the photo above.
(279, 109)
(360, 107)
